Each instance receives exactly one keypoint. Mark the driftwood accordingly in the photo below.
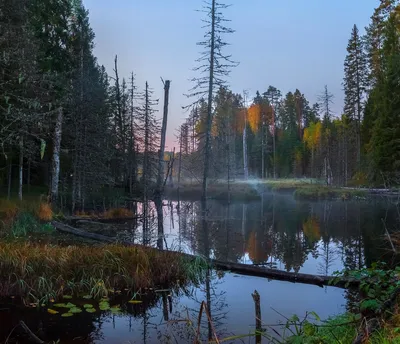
(242, 269)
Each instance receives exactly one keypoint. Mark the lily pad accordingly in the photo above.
(66, 315)
(67, 297)
(75, 310)
(135, 301)
(87, 305)
(90, 310)
(60, 305)
(51, 311)
(87, 297)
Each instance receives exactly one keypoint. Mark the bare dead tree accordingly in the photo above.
(214, 66)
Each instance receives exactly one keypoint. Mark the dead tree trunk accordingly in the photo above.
(207, 154)
(245, 165)
(180, 159)
(160, 176)
(55, 173)
(9, 178)
(21, 166)
(256, 298)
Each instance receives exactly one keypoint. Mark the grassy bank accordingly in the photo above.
(38, 273)
(253, 189)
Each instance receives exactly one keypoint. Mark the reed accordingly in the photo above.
(39, 273)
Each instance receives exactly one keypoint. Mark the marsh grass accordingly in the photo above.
(38, 273)
(19, 218)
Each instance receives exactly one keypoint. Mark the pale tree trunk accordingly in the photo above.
(245, 165)
(21, 166)
(55, 173)
(29, 175)
(9, 178)
(262, 152)
(207, 155)
(180, 160)
(160, 177)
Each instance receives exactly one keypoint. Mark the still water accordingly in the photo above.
(278, 231)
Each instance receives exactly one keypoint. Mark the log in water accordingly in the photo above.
(242, 269)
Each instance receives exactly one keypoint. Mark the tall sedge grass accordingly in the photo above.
(38, 273)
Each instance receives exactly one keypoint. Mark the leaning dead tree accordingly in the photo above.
(214, 66)
(161, 152)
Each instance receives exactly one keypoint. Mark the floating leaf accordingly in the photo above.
(61, 305)
(66, 315)
(51, 311)
(135, 301)
(67, 297)
(88, 305)
(90, 310)
(75, 310)
(87, 297)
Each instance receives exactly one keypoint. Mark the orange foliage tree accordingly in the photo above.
(254, 117)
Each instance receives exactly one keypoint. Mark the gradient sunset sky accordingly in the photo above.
(285, 43)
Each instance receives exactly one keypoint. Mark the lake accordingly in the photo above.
(277, 231)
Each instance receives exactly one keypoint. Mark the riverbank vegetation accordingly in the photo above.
(40, 273)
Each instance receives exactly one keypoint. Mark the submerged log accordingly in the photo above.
(75, 219)
(62, 227)
(242, 269)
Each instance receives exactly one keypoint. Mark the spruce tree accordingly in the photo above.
(386, 132)
(355, 80)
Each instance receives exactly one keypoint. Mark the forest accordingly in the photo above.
(72, 128)
(86, 208)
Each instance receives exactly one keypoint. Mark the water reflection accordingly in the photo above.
(276, 231)
(279, 231)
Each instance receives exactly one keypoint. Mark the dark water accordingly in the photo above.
(309, 237)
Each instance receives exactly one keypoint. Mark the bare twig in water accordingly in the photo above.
(33, 336)
(388, 236)
(203, 306)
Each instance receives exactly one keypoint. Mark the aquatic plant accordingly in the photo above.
(39, 273)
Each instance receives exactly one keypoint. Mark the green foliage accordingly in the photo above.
(376, 284)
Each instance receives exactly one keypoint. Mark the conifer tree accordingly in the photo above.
(355, 81)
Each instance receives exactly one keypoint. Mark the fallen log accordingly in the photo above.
(74, 219)
(242, 269)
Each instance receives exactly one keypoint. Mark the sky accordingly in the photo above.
(285, 43)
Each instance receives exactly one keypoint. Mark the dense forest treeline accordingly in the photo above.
(283, 136)
(67, 124)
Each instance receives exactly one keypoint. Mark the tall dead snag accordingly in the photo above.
(214, 65)
(55, 175)
(160, 176)
(245, 164)
(21, 166)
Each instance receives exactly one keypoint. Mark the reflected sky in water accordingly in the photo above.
(278, 231)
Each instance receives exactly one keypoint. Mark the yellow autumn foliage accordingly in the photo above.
(312, 135)
(254, 117)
